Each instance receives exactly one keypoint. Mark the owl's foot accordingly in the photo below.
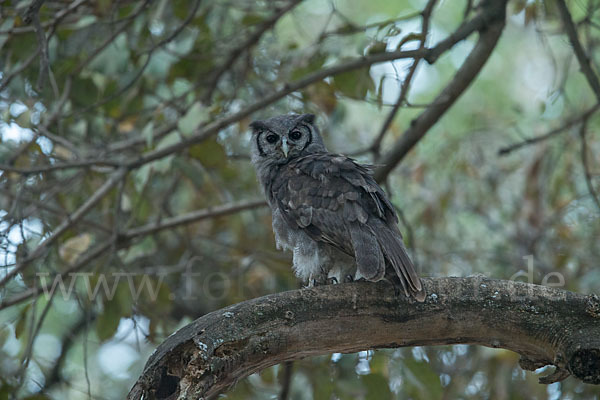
(318, 280)
(332, 280)
(348, 278)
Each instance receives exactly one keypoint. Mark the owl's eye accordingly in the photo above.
(272, 138)
(295, 135)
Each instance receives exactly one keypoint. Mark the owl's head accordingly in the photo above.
(285, 137)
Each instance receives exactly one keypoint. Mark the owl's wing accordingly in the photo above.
(336, 201)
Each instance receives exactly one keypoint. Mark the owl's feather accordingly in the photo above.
(336, 201)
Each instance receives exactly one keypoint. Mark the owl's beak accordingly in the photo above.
(284, 146)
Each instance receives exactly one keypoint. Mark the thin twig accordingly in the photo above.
(102, 248)
(582, 57)
(9, 77)
(586, 168)
(191, 217)
(360, 62)
(213, 128)
(124, 26)
(79, 264)
(37, 205)
(425, 15)
(32, 11)
(60, 167)
(563, 128)
(66, 224)
(286, 380)
(488, 38)
(245, 46)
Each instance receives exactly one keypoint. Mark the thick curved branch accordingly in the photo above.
(491, 21)
(544, 325)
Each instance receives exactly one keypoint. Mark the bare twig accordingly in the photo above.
(191, 15)
(586, 168)
(148, 229)
(360, 62)
(490, 10)
(563, 128)
(425, 16)
(245, 46)
(286, 380)
(124, 26)
(69, 339)
(79, 264)
(60, 167)
(149, 52)
(15, 72)
(32, 11)
(459, 83)
(66, 224)
(582, 57)
(212, 128)
(191, 217)
(43, 205)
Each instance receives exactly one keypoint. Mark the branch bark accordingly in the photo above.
(544, 325)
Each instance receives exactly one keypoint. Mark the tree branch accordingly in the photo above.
(582, 57)
(425, 16)
(122, 239)
(490, 13)
(66, 224)
(586, 168)
(544, 325)
(191, 217)
(247, 44)
(494, 13)
(563, 128)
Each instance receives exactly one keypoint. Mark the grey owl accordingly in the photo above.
(327, 208)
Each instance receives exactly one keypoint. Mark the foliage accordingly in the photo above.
(120, 117)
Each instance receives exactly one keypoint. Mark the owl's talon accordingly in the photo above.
(348, 278)
(332, 281)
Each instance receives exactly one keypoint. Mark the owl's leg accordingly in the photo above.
(318, 278)
(393, 279)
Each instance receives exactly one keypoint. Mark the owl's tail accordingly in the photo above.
(396, 255)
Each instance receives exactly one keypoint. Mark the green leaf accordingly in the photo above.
(424, 382)
(377, 386)
(210, 153)
(377, 47)
(37, 397)
(192, 119)
(108, 322)
(354, 84)
(22, 322)
(315, 63)
(190, 170)
(252, 19)
(115, 308)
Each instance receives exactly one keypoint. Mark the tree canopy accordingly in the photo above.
(129, 206)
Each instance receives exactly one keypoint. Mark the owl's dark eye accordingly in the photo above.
(295, 135)
(272, 138)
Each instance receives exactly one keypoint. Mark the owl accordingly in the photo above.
(327, 208)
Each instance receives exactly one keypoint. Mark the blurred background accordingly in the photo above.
(129, 207)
